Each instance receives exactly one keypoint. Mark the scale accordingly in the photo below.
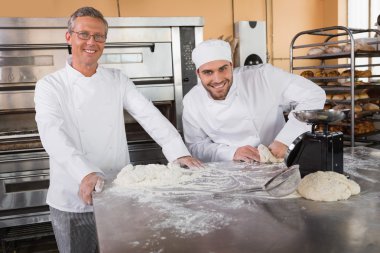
(317, 150)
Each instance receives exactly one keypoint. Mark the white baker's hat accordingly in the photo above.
(211, 50)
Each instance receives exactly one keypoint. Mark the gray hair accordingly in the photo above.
(85, 12)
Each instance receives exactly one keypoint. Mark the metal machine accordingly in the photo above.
(317, 150)
(154, 52)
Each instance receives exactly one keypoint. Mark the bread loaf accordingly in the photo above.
(370, 107)
(363, 95)
(346, 72)
(360, 45)
(360, 83)
(307, 74)
(364, 73)
(347, 83)
(333, 83)
(338, 97)
(341, 107)
(358, 108)
(348, 96)
(364, 127)
(316, 51)
(333, 73)
(320, 73)
(333, 50)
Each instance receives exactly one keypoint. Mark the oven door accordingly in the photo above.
(24, 180)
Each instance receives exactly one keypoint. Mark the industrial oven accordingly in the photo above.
(154, 52)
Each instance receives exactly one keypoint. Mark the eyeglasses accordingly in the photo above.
(87, 36)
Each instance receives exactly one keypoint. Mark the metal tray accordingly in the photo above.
(319, 116)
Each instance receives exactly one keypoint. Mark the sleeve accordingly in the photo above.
(304, 94)
(200, 144)
(153, 122)
(55, 139)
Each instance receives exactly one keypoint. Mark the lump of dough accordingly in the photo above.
(266, 156)
(327, 186)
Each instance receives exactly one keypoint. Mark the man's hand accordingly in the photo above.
(189, 161)
(278, 149)
(247, 154)
(87, 186)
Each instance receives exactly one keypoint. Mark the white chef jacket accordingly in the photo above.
(81, 125)
(251, 114)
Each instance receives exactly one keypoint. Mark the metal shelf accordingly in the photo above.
(338, 35)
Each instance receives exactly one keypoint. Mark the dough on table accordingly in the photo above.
(266, 156)
(152, 175)
(327, 186)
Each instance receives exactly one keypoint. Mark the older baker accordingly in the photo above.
(232, 111)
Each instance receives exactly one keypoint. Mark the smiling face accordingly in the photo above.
(86, 53)
(216, 77)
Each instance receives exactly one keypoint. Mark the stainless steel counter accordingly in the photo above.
(190, 221)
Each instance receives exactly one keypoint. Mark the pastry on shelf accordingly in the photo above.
(333, 49)
(346, 83)
(336, 128)
(347, 73)
(357, 108)
(348, 96)
(342, 107)
(338, 97)
(360, 45)
(370, 107)
(363, 127)
(307, 73)
(333, 73)
(329, 96)
(333, 83)
(360, 83)
(320, 73)
(316, 50)
(363, 95)
(364, 73)
(331, 128)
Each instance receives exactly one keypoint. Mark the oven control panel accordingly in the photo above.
(189, 77)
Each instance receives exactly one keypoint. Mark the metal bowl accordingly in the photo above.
(319, 116)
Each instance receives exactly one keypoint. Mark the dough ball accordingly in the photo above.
(327, 186)
(266, 156)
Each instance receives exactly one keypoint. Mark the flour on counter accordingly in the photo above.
(183, 198)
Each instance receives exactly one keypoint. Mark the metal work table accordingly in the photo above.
(199, 222)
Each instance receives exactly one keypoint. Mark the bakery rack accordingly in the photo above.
(336, 37)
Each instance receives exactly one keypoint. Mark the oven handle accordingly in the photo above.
(32, 46)
(24, 159)
(40, 174)
(65, 46)
(130, 45)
